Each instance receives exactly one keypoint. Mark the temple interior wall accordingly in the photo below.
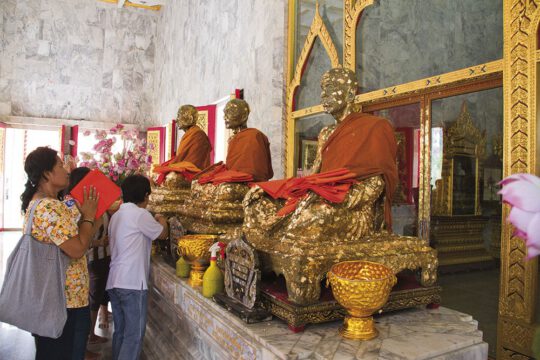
(77, 59)
(204, 51)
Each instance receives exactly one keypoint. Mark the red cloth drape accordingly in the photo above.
(195, 148)
(365, 145)
(249, 152)
(219, 174)
(331, 185)
(185, 168)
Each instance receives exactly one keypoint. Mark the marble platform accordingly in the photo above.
(182, 324)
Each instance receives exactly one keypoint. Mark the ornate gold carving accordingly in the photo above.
(516, 336)
(476, 72)
(298, 315)
(518, 277)
(317, 29)
(361, 287)
(464, 140)
(353, 9)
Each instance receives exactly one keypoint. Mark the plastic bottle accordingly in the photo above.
(182, 268)
(213, 277)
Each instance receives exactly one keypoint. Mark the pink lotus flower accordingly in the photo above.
(522, 192)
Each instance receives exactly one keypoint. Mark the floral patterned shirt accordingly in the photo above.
(56, 221)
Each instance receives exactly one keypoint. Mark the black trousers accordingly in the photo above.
(72, 343)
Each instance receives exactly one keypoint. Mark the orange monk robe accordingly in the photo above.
(365, 145)
(195, 148)
(249, 152)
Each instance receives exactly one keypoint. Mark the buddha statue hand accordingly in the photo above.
(254, 194)
(365, 192)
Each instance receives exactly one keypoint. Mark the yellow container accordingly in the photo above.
(213, 281)
(182, 268)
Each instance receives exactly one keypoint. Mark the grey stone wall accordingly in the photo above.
(206, 49)
(77, 59)
(400, 41)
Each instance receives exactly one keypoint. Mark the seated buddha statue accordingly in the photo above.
(302, 226)
(173, 177)
(215, 203)
(193, 152)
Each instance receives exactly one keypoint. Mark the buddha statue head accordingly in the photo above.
(339, 87)
(236, 114)
(187, 117)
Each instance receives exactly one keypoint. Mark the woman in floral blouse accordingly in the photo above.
(71, 229)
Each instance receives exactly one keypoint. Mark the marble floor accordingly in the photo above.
(474, 293)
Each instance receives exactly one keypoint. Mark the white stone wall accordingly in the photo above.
(77, 59)
(207, 48)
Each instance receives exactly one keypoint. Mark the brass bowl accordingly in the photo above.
(195, 250)
(362, 288)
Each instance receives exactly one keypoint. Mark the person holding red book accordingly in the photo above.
(72, 229)
(99, 259)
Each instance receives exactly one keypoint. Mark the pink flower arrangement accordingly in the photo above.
(133, 159)
(522, 192)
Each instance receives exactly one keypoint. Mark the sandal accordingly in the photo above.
(95, 339)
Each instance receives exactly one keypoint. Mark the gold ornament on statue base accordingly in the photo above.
(362, 288)
(194, 249)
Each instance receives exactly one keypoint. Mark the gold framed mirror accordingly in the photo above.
(464, 150)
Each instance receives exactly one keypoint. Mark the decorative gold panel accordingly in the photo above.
(518, 277)
(353, 9)
(202, 121)
(154, 137)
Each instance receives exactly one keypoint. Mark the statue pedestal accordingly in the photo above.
(459, 242)
(406, 294)
(182, 324)
(167, 201)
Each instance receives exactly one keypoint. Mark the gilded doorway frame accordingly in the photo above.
(518, 280)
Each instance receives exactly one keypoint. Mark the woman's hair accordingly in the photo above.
(76, 176)
(135, 188)
(36, 164)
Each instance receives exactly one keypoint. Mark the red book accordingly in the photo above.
(108, 191)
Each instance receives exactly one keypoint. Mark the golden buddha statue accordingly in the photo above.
(215, 203)
(173, 177)
(317, 232)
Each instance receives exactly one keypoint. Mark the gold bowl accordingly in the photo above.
(362, 288)
(195, 250)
